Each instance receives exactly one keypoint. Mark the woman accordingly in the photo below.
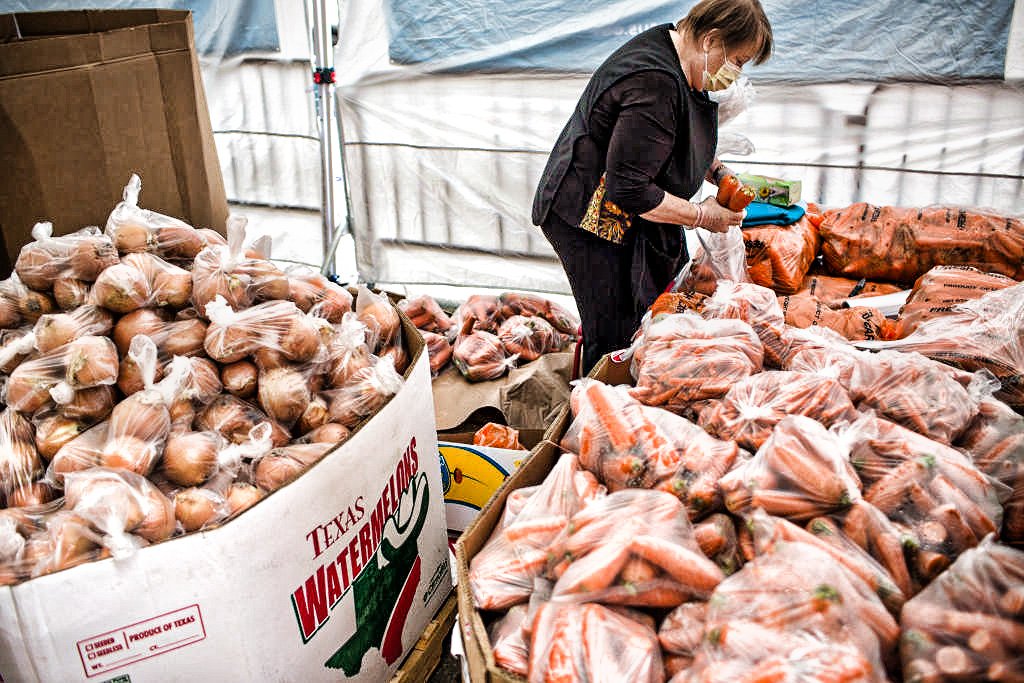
(642, 139)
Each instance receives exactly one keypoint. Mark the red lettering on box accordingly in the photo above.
(144, 639)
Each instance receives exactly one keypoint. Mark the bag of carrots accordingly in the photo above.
(753, 406)
(479, 312)
(680, 635)
(901, 244)
(833, 291)
(968, 625)
(717, 538)
(987, 332)
(801, 471)
(591, 643)
(518, 303)
(679, 359)
(528, 337)
(439, 350)
(631, 548)
(793, 614)
(721, 256)
(940, 503)
(509, 641)
(919, 393)
(426, 314)
(820, 351)
(779, 256)
(859, 322)
(937, 291)
(669, 303)
(757, 306)
(498, 436)
(503, 572)
(995, 442)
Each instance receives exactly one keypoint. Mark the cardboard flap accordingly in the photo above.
(528, 397)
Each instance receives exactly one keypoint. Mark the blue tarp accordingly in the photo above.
(222, 27)
(823, 41)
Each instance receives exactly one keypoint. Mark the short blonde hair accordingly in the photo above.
(739, 22)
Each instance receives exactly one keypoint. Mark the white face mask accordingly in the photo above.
(723, 78)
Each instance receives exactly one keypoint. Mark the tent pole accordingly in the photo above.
(322, 57)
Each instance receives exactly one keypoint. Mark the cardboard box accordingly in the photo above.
(424, 658)
(773, 190)
(86, 99)
(476, 642)
(335, 575)
(471, 474)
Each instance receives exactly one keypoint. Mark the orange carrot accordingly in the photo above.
(689, 568)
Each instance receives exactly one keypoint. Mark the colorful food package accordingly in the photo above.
(833, 291)
(228, 272)
(134, 229)
(439, 349)
(800, 472)
(750, 410)
(937, 291)
(901, 244)
(527, 337)
(779, 256)
(81, 255)
(940, 502)
(968, 625)
(364, 393)
(721, 256)
(919, 393)
(426, 314)
(995, 442)
(588, 642)
(794, 614)
(142, 280)
(681, 358)
(498, 436)
(503, 572)
(985, 333)
(634, 548)
(274, 325)
(757, 306)
(858, 322)
(85, 362)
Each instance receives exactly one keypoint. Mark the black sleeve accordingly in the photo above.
(642, 139)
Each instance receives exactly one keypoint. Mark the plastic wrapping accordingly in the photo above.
(283, 465)
(722, 256)
(439, 349)
(679, 359)
(669, 303)
(86, 362)
(716, 535)
(936, 293)
(526, 337)
(855, 323)
(984, 333)
(20, 464)
(509, 640)
(940, 502)
(482, 312)
(65, 539)
(902, 244)
(576, 643)
(682, 631)
(631, 548)
(426, 314)
(81, 255)
(316, 295)
(967, 625)
(518, 303)
(285, 393)
(234, 419)
(364, 393)
(753, 406)
(274, 325)
(794, 614)
(918, 393)
(56, 329)
(833, 291)
(69, 293)
(502, 573)
(381, 319)
(779, 256)
(801, 471)
(757, 306)
(134, 229)
(480, 355)
(29, 303)
(141, 280)
(497, 436)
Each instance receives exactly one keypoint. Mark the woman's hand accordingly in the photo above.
(714, 217)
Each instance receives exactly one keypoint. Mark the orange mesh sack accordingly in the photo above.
(901, 244)
(779, 256)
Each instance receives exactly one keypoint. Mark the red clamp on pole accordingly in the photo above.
(325, 75)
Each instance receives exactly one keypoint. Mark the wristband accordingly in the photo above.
(698, 221)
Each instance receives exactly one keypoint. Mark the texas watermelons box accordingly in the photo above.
(332, 577)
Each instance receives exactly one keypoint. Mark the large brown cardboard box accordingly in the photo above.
(475, 640)
(86, 99)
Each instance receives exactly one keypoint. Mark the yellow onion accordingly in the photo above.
(138, 416)
(91, 404)
(314, 416)
(121, 288)
(19, 462)
(91, 361)
(69, 542)
(129, 376)
(382, 321)
(190, 458)
(172, 287)
(9, 315)
(183, 414)
(100, 494)
(399, 355)
(25, 393)
(32, 304)
(347, 364)
(158, 522)
(179, 241)
(132, 236)
(36, 493)
(184, 338)
(330, 433)
(145, 321)
(90, 256)
(202, 384)
(130, 453)
(300, 342)
(211, 237)
(283, 394)
(39, 264)
(283, 465)
(268, 359)
(239, 378)
(54, 431)
(267, 281)
(70, 293)
(197, 508)
(242, 496)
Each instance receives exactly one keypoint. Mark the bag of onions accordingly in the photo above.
(134, 229)
(82, 256)
(85, 362)
(381, 319)
(316, 295)
(364, 393)
(21, 305)
(142, 280)
(275, 325)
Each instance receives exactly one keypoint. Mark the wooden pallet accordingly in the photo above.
(425, 657)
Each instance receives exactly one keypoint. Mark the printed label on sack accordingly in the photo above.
(141, 640)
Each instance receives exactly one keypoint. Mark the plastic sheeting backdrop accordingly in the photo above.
(450, 108)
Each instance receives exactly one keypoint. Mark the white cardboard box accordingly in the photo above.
(311, 584)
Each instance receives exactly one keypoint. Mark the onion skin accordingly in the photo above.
(159, 521)
(348, 364)
(382, 321)
(283, 465)
(132, 237)
(239, 378)
(242, 496)
(300, 341)
(314, 416)
(121, 288)
(330, 433)
(203, 383)
(91, 405)
(129, 453)
(33, 304)
(196, 508)
(70, 293)
(90, 256)
(184, 338)
(9, 315)
(190, 459)
(24, 395)
(172, 288)
(284, 394)
(399, 355)
(54, 330)
(107, 494)
(55, 431)
(179, 241)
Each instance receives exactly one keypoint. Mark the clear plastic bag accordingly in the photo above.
(753, 406)
(69, 293)
(503, 572)
(682, 630)
(426, 314)
(134, 229)
(717, 538)
(683, 358)
(283, 465)
(482, 312)
(577, 643)
(780, 256)
(141, 280)
(234, 419)
(800, 472)
(936, 292)
(721, 256)
(383, 325)
(274, 325)
(757, 306)
(527, 337)
(81, 255)
(28, 304)
(316, 295)
(364, 393)
(631, 548)
(480, 355)
(967, 624)
(347, 350)
(65, 539)
(439, 349)
(530, 305)
(57, 329)
(509, 642)
(497, 436)
(85, 362)
(833, 291)
(20, 464)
